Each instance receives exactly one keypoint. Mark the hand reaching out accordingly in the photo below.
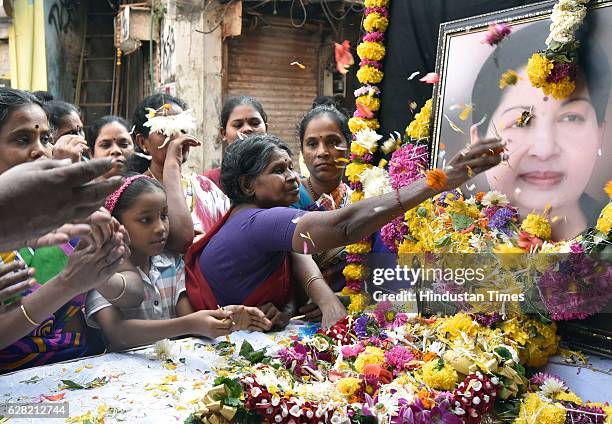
(71, 147)
(248, 318)
(14, 279)
(278, 318)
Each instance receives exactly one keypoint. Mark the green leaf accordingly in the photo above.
(224, 348)
(440, 365)
(232, 401)
(69, 384)
(444, 241)
(503, 352)
(460, 222)
(246, 349)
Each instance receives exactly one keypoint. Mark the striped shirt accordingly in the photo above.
(162, 288)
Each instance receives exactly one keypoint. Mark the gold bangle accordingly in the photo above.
(310, 281)
(30, 320)
(114, 299)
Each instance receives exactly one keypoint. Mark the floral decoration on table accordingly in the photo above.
(391, 367)
(554, 69)
(365, 142)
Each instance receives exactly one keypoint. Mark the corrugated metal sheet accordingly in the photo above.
(259, 65)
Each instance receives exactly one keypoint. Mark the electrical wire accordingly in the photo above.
(218, 24)
(303, 11)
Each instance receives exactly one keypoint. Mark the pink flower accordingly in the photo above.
(406, 165)
(431, 78)
(496, 34)
(399, 358)
(375, 37)
(393, 233)
(352, 351)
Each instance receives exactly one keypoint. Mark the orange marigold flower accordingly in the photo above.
(480, 195)
(424, 395)
(436, 179)
(429, 356)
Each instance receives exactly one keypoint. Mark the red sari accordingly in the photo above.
(276, 289)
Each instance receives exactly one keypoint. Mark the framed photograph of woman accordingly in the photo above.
(559, 150)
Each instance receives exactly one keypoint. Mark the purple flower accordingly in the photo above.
(488, 320)
(560, 71)
(496, 34)
(501, 218)
(373, 63)
(416, 413)
(444, 195)
(360, 326)
(356, 185)
(392, 234)
(353, 258)
(587, 414)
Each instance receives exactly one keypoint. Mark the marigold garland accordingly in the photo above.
(554, 69)
(436, 179)
(372, 51)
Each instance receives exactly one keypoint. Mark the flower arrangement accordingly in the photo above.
(389, 367)
(554, 69)
(158, 121)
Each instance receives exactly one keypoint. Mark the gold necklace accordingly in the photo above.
(152, 174)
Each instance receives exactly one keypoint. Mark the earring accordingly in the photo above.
(599, 152)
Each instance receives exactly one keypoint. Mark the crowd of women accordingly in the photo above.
(140, 250)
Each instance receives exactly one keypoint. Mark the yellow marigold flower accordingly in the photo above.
(461, 243)
(569, 396)
(357, 124)
(376, 3)
(371, 355)
(457, 324)
(508, 78)
(538, 69)
(356, 196)
(360, 248)
(371, 50)
(545, 344)
(419, 127)
(358, 150)
(348, 386)
(511, 257)
(354, 170)
(608, 189)
(537, 225)
(354, 271)
(560, 90)
(358, 303)
(604, 222)
(439, 375)
(514, 331)
(371, 102)
(369, 75)
(375, 22)
(535, 411)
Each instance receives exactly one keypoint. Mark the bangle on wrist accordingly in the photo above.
(123, 290)
(310, 281)
(27, 316)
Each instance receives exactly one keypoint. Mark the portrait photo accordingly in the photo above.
(558, 149)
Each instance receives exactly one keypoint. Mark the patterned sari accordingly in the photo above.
(206, 202)
(48, 342)
(331, 262)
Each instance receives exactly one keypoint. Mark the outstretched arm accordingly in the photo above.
(326, 230)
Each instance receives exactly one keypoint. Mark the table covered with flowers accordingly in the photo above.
(384, 366)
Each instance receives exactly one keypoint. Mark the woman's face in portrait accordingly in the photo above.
(322, 146)
(552, 154)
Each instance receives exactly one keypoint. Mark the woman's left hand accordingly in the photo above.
(333, 311)
(178, 147)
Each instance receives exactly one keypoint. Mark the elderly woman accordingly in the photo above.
(247, 257)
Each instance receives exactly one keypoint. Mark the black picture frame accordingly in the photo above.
(593, 335)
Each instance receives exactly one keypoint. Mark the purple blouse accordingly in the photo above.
(249, 247)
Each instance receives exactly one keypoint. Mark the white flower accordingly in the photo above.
(171, 125)
(368, 139)
(163, 349)
(495, 198)
(389, 396)
(437, 347)
(552, 386)
(255, 392)
(375, 182)
(296, 411)
(319, 343)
